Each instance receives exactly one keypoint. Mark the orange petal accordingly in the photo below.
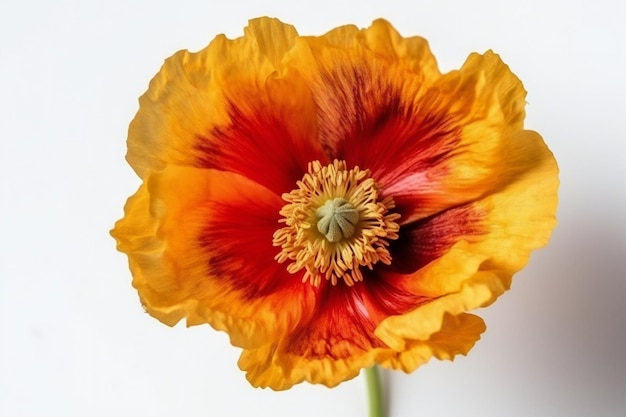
(353, 88)
(478, 109)
(432, 141)
(204, 109)
(517, 218)
(271, 134)
(456, 336)
(189, 234)
(338, 339)
(412, 53)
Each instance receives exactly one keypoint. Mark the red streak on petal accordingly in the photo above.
(372, 121)
(405, 148)
(343, 324)
(259, 145)
(238, 239)
(428, 239)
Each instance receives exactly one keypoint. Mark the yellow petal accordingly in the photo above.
(457, 336)
(412, 53)
(273, 38)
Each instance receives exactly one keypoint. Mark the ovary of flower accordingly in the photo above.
(353, 227)
(337, 219)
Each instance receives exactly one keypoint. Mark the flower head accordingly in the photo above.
(332, 202)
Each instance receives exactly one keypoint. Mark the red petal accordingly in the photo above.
(405, 148)
(251, 284)
(239, 238)
(271, 136)
(338, 339)
(370, 119)
(343, 323)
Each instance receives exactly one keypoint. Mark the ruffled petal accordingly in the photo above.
(273, 38)
(432, 141)
(270, 136)
(190, 234)
(457, 336)
(342, 339)
(504, 228)
(354, 90)
(337, 341)
(412, 53)
(230, 106)
(480, 109)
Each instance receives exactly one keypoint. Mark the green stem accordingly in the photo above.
(374, 392)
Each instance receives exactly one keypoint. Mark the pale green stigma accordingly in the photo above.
(337, 219)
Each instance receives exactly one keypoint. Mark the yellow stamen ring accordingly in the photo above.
(334, 224)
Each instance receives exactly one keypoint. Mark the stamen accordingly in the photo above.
(353, 227)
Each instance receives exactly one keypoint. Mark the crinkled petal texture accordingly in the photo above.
(223, 133)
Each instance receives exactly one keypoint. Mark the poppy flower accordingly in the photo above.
(332, 202)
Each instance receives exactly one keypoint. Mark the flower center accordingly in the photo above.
(337, 219)
(353, 227)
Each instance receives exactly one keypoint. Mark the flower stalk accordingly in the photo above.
(374, 392)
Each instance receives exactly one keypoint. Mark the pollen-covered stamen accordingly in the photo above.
(335, 224)
(337, 219)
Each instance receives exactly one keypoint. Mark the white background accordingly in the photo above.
(74, 340)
